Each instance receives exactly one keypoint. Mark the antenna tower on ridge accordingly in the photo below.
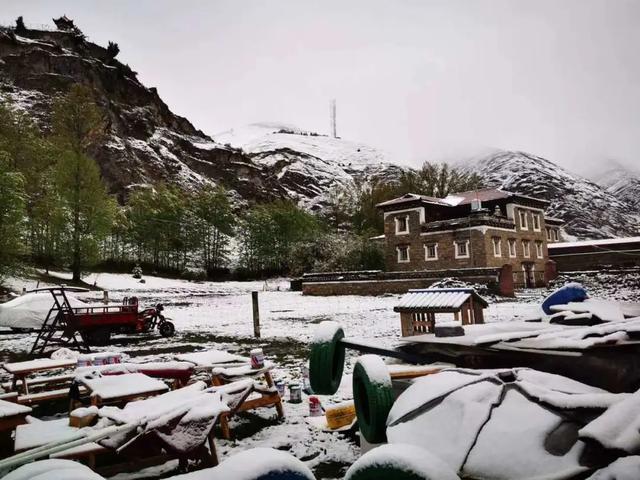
(333, 119)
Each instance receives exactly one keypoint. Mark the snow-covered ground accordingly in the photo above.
(219, 315)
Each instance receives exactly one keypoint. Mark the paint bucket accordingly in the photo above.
(306, 383)
(280, 386)
(257, 358)
(101, 359)
(114, 358)
(315, 408)
(84, 361)
(295, 393)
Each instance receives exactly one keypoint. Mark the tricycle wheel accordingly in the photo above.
(98, 336)
(167, 329)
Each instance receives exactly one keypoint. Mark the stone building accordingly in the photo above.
(475, 229)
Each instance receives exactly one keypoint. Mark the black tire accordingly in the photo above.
(98, 336)
(399, 462)
(373, 397)
(326, 364)
(166, 329)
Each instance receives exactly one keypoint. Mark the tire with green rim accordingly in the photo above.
(373, 397)
(326, 359)
(400, 462)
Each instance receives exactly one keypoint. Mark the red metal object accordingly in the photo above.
(95, 324)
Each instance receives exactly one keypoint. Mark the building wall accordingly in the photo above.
(480, 247)
(577, 258)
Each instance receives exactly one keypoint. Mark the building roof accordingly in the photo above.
(608, 242)
(437, 299)
(460, 198)
(411, 197)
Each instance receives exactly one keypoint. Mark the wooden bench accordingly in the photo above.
(34, 398)
(40, 381)
(20, 371)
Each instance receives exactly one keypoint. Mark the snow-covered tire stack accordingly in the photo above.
(399, 462)
(326, 360)
(373, 397)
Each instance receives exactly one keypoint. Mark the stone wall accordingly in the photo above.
(401, 282)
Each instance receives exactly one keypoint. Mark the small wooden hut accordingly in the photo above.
(418, 308)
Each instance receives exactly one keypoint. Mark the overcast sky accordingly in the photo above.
(422, 80)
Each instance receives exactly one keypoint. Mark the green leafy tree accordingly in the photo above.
(11, 215)
(269, 231)
(78, 126)
(214, 225)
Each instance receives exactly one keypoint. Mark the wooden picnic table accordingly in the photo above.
(21, 374)
(212, 358)
(12, 415)
(122, 388)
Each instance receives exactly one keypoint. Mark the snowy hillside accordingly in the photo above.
(308, 164)
(589, 210)
(623, 184)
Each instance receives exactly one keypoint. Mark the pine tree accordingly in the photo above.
(77, 126)
(112, 50)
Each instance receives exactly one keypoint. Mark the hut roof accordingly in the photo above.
(437, 299)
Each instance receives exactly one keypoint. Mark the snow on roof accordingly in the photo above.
(595, 243)
(410, 197)
(435, 298)
(460, 198)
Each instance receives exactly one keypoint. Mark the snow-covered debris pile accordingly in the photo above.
(619, 285)
(481, 289)
(512, 423)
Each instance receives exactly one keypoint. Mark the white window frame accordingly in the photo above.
(522, 215)
(456, 250)
(398, 248)
(549, 234)
(537, 222)
(497, 242)
(513, 248)
(526, 248)
(556, 236)
(427, 258)
(397, 220)
(539, 249)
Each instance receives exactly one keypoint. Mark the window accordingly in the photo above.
(526, 248)
(523, 220)
(555, 235)
(431, 251)
(403, 254)
(402, 225)
(549, 238)
(512, 247)
(539, 252)
(462, 249)
(536, 222)
(497, 247)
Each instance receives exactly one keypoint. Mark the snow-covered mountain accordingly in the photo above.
(146, 143)
(308, 164)
(624, 184)
(588, 209)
